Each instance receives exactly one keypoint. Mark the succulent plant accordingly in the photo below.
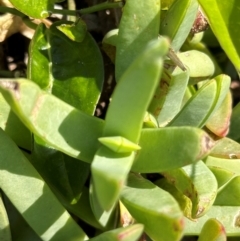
(162, 164)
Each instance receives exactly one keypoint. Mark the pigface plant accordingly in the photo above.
(161, 164)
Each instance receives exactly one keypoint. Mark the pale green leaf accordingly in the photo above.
(223, 17)
(178, 21)
(153, 207)
(213, 230)
(171, 147)
(228, 215)
(32, 197)
(139, 24)
(201, 191)
(60, 125)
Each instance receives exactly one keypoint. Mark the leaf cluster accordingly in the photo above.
(163, 164)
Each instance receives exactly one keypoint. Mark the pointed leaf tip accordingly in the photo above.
(119, 144)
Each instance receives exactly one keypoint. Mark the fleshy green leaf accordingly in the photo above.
(51, 51)
(109, 172)
(103, 217)
(14, 128)
(223, 17)
(226, 148)
(198, 107)
(130, 233)
(232, 165)
(143, 76)
(139, 24)
(190, 91)
(5, 232)
(202, 47)
(229, 194)
(229, 217)
(213, 230)
(234, 132)
(20, 230)
(169, 148)
(223, 86)
(39, 69)
(124, 216)
(168, 96)
(35, 9)
(220, 120)
(178, 21)
(54, 121)
(32, 197)
(149, 121)
(222, 175)
(183, 201)
(189, 181)
(64, 174)
(153, 207)
(203, 103)
(109, 169)
(199, 64)
(228, 172)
